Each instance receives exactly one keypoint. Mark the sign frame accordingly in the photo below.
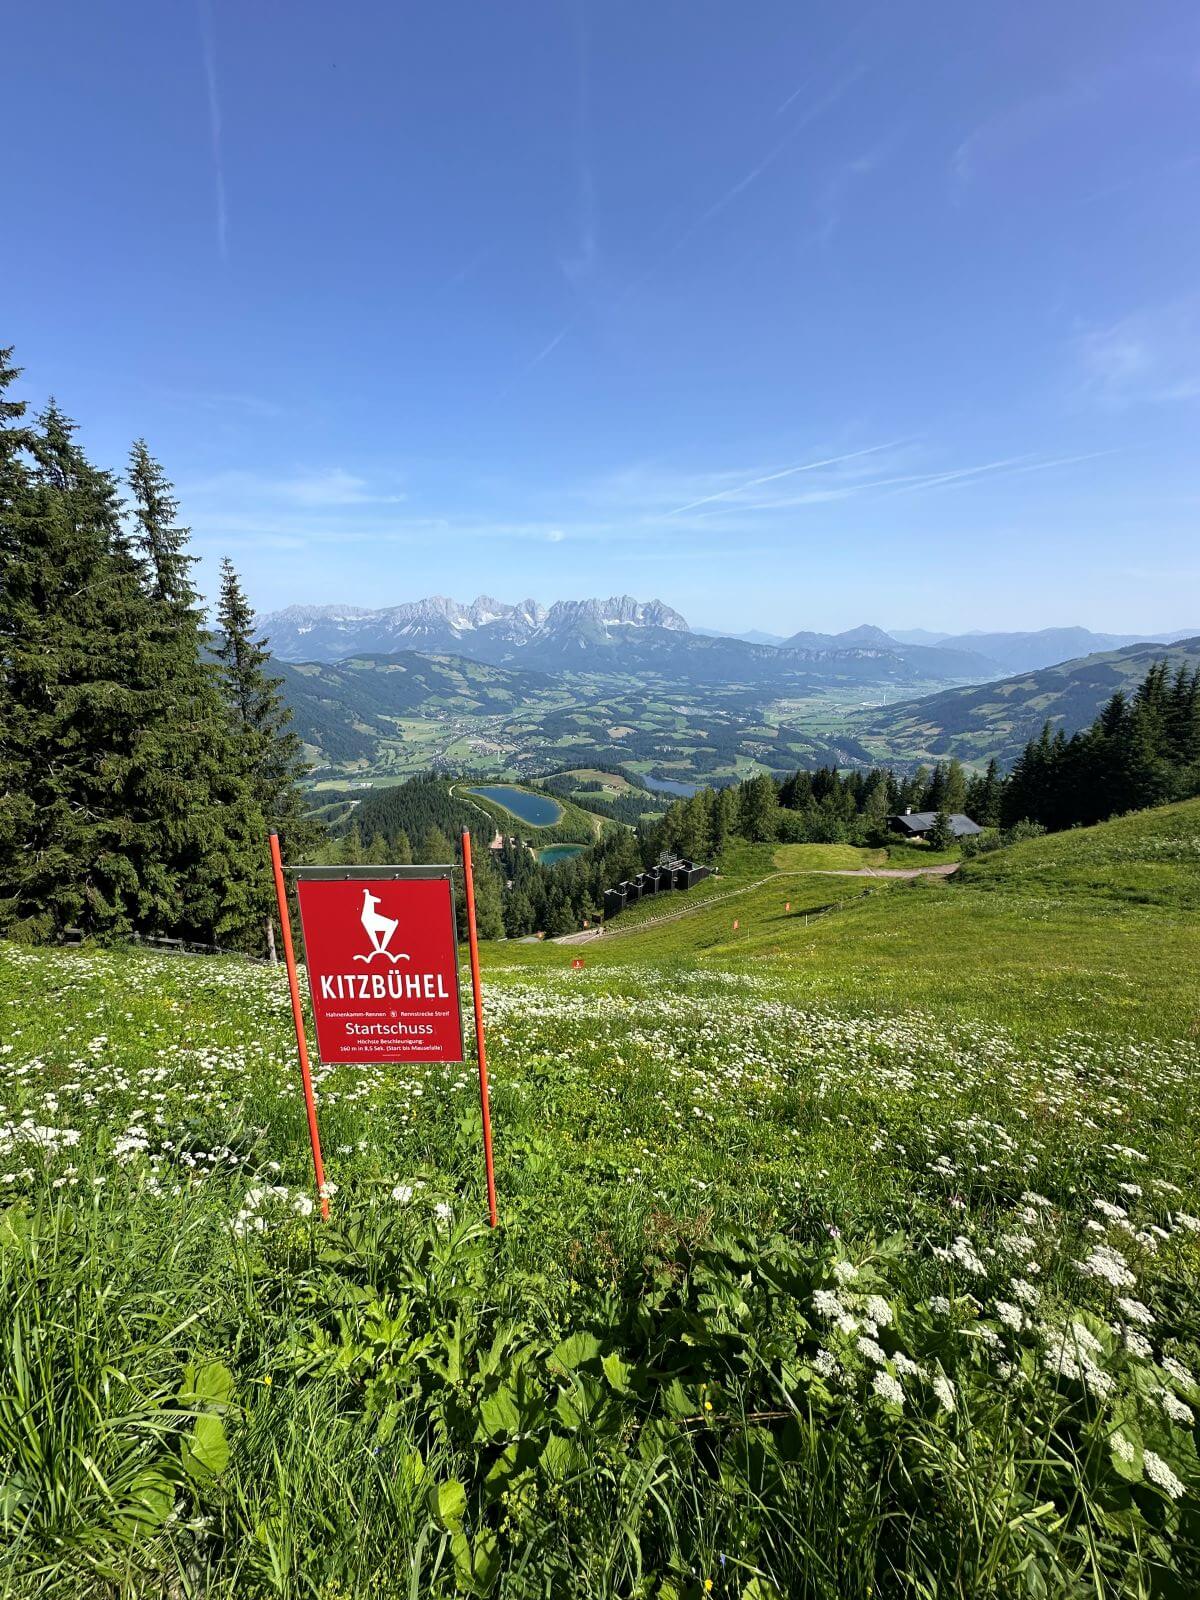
(362, 872)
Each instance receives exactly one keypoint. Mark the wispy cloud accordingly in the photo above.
(1151, 356)
(214, 126)
(313, 489)
(1008, 131)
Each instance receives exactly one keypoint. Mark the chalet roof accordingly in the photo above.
(923, 821)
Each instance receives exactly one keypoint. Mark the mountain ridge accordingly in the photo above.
(617, 634)
(978, 721)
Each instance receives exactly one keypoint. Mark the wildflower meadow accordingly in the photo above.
(791, 1296)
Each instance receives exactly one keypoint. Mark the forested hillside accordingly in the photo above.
(142, 760)
(997, 719)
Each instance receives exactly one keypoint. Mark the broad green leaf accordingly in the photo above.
(206, 1452)
(500, 1412)
(151, 1497)
(561, 1457)
(576, 1350)
(448, 1502)
(476, 1565)
(616, 1372)
(208, 1384)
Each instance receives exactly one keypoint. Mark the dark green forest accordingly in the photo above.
(143, 758)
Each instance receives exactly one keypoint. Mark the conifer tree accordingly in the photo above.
(80, 685)
(189, 800)
(268, 757)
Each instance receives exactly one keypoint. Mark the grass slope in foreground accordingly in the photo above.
(853, 1261)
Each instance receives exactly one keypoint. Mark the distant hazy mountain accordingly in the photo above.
(999, 719)
(1027, 652)
(754, 636)
(964, 664)
(615, 636)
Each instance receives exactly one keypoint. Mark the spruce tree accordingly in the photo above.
(269, 762)
(190, 803)
(80, 687)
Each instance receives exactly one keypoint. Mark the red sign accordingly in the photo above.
(382, 968)
(577, 963)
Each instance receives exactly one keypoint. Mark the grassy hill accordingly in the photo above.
(1097, 926)
(1151, 858)
(843, 1260)
(998, 719)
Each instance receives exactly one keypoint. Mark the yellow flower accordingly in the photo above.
(268, 1380)
(708, 1585)
(708, 1405)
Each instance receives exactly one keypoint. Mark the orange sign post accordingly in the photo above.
(480, 1047)
(289, 956)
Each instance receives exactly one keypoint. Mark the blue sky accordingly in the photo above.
(794, 315)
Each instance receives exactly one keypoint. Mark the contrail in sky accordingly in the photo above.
(214, 126)
(785, 472)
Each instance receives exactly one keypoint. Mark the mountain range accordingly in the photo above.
(621, 635)
(1027, 652)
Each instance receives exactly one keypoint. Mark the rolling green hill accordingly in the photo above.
(345, 711)
(1093, 927)
(998, 719)
(1151, 858)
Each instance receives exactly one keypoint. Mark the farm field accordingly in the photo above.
(853, 1260)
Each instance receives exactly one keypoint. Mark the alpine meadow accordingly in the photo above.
(600, 802)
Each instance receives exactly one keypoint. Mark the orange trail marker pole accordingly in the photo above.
(289, 956)
(480, 1048)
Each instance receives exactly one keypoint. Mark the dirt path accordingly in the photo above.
(586, 936)
(942, 870)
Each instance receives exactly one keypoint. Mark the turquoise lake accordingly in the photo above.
(552, 855)
(538, 810)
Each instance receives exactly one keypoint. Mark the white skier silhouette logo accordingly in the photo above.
(380, 930)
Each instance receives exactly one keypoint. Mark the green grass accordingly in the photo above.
(921, 1113)
(1151, 858)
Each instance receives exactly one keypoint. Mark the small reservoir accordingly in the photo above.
(538, 810)
(671, 786)
(553, 855)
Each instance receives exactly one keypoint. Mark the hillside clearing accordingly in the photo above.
(850, 1205)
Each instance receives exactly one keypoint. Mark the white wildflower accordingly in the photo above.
(844, 1271)
(1160, 1473)
(1110, 1266)
(827, 1304)
(888, 1388)
(1136, 1311)
(944, 1390)
(878, 1310)
(1178, 1371)
(872, 1351)
(1175, 1408)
